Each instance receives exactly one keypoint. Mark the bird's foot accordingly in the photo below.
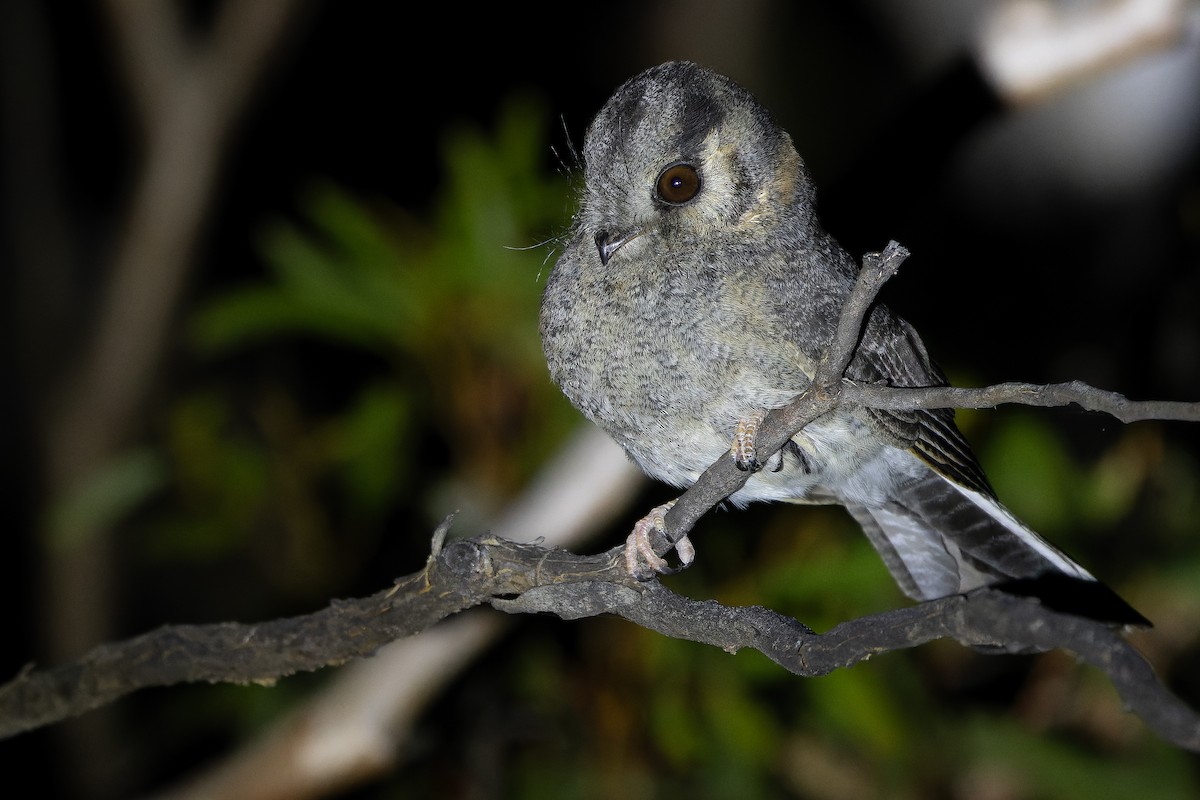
(743, 449)
(641, 560)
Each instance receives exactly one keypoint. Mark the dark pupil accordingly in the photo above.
(678, 184)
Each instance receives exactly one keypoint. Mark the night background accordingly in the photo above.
(341, 349)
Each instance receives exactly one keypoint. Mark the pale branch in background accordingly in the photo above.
(1034, 49)
(190, 89)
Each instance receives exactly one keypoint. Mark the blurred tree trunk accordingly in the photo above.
(188, 88)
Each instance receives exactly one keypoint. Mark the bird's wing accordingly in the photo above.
(891, 353)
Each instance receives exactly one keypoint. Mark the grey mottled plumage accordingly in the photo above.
(697, 289)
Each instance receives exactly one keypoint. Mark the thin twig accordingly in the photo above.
(1078, 393)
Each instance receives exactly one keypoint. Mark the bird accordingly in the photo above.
(696, 290)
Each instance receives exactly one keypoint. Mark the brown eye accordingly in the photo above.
(678, 184)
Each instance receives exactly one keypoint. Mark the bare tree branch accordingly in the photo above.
(989, 619)
(528, 578)
(521, 577)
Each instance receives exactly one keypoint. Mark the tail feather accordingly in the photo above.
(913, 552)
(939, 538)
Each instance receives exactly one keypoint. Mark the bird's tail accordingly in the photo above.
(939, 538)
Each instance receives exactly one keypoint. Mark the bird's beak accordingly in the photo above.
(608, 243)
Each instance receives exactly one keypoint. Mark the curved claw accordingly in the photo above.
(743, 448)
(641, 560)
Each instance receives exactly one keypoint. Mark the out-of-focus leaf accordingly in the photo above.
(320, 292)
(370, 444)
(110, 493)
(1033, 473)
(838, 578)
(1041, 766)
(220, 482)
(858, 705)
(1112, 486)
(1177, 495)
(675, 726)
(350, 274)
(255, 315)
(742, 725)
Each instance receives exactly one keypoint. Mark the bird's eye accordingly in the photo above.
(678, 184)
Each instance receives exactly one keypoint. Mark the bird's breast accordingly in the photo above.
(666, 360)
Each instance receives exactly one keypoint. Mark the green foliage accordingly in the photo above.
(374, 279)
(1028, 766)
(445, 386)
(220, 478)
(1032, 469)
(107, 496)
(364, 446)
